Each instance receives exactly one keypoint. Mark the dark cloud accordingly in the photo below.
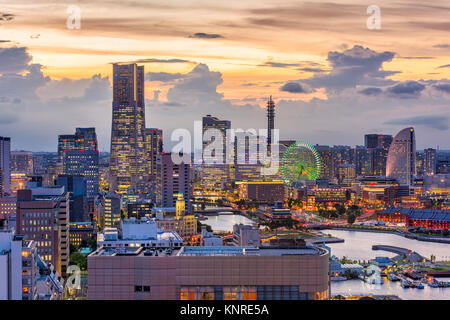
(163, 76)
(355, 66)
(6, 16)
(407, 89)
(414, 58)
(444, 87)
(440, 122)
(295, 87)
(202, 35)
(371, 91)
(14, 60)
(5, 41)
(444, 66)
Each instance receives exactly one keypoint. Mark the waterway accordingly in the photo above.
(358, 287)
(225, 222)
(358, 245)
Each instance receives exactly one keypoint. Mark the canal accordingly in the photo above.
(225, 222)
(358, 245)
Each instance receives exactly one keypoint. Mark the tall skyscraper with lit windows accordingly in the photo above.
(128, 161)
(401, 160)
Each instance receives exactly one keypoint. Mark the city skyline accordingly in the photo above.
(331, 84)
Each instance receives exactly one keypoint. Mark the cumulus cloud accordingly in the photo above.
(14, 60)
(444, 87)
(355, 66)
(407, 89)
(295, 87)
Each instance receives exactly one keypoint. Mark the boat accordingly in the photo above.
(393, 277)
(433, 284)
(418, 285)
(405, 284)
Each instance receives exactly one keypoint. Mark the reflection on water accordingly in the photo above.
(358, 287)
(224, 223)
(358, 245)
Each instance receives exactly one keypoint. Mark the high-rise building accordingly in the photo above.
(379, 158)
(76, 186)
(175, 179)
(373, 141)
(128, 161)
(85, 163)
(401, 160)
(346, 174)
(112, 213)
(363, 161)
(83, 139)
(215, 174)
(43, 216)
(5, 170)
(153, 148)
(127, 164)
(429, 165)
(270, 122)
(22, 162)
(326, 158)
(342, 155)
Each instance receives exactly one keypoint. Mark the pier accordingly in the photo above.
(408, 254)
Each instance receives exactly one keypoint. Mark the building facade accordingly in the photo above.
(128, 161)
(401, 161)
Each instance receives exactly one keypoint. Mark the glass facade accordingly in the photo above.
(401, 161)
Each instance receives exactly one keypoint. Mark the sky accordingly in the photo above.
(332, 77)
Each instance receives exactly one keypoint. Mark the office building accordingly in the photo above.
(175, 179)
(128, 160)
(270, 122)
(83, 139)
(209, 273)
(363, 161)
(401, 161)
(246, 235)
(346, 174)
(429, 165)
(111, 210)
(374, 141)
(215, 174)
(22, 162)
(262, 191)
(76, 186)
(43, 216)
(5, 171)
(326, 158)
(153, 149)
(79, 232)
(8, 207)
(85, 163)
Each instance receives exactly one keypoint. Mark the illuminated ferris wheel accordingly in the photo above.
(300, 162)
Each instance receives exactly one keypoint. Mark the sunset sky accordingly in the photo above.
(332, 78)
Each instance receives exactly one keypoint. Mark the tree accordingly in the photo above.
(351, 218)
(78, 259)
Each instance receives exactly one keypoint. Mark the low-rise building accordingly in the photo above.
(246, 235)
(209, 273)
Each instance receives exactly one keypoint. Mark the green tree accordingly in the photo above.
(351, 218)
(78, 259)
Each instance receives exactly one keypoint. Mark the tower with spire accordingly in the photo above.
(270, 122)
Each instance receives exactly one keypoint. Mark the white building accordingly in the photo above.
(10, 266)
(245, 235)
(139, 233)
(209, 239)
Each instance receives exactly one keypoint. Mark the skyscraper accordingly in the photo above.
(127, 163)
(76, 186)
(429, 165)
(326, 157)
(215, 174)
(83, 139)
(270, 122)
(5, 171)
(22, 161)
(175, 180)
(401, 160)
(84, 162)
(373, 141)
(153, 148)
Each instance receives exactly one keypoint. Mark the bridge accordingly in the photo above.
(408, 254)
